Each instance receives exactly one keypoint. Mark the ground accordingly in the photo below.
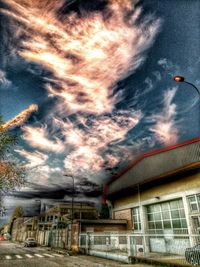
(16, 255)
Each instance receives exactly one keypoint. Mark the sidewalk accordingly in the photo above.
(154, 259)
(62, 251)
(161, 260)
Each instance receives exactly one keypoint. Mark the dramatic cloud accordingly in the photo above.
(21, 118)
(34, 159)
(37, 137)
(91, 137)
(37, 166)
(87, 54)
(165, 129)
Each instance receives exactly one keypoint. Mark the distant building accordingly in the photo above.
(53, 226)
(20, 228)
(159, 194)
(80, 210)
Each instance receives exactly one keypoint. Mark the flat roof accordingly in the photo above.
(103, 221)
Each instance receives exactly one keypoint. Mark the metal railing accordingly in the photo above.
(166, 248)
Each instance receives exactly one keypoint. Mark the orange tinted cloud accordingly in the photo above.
(21, 118)
(87, 55)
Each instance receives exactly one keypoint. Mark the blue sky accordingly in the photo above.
(99, 78)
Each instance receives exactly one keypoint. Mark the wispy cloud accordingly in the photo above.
(165, 129)
(38, 137)
(90, 138)
(87, 56)
(4, 82)
(37, 167)
(169, 67)
(34, 159)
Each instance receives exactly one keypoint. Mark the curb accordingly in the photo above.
(134, 260)
(66, 253)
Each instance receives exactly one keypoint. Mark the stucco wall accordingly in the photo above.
(185, 185)
(103, 227)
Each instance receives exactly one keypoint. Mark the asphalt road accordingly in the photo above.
(15, 255)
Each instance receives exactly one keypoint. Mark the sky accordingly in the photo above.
(88, 87)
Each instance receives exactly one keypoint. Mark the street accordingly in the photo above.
(14, 254)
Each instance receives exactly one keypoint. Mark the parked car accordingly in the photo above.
(7, 236)
(2, 238)
(30, 242)
(192, 255)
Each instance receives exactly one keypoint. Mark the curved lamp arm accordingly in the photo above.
(181, 79)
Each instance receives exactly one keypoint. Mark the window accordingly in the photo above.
(194, 203)
(122, 240)
(168, 216)
(101, 240)
(136, 219)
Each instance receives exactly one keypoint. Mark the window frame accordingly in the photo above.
(176, 216)
(194, 202)
(136, 219)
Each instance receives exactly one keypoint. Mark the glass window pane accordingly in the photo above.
(167, 224)
(136, 218)
(149, 209)
(151, 225)
(158, 225)
(165, 215)
(174, 204)
(157, 216)
(198, 199)
(175, 214)
(176, 223)
(165, 206)
(135, 226)
(156, 208)
(197, 246)
(193, 207)
(182, 213)
(192, 199)
(184, 223)
(150, 217)
(135, 211)
(180, 203)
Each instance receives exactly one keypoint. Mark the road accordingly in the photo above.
(16, 255)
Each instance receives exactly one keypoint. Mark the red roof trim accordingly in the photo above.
(151, 153)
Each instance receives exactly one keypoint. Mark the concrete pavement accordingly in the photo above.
(15, 255)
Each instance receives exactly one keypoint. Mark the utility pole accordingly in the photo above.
(72, 208)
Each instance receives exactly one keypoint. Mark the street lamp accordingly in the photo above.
(72, 219)
(71, 176)
(181, 79)
(38, 203)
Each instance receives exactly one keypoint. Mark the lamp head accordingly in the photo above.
(178, 78)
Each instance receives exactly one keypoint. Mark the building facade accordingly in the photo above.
(159, 195)
(54, 227)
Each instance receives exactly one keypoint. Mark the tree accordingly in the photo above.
(11, 173)
(104, 213)
(17, 213)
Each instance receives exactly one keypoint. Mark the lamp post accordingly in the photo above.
(38, 203)
(72, 217)
(181, 79)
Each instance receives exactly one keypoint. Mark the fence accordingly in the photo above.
(175, 248)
